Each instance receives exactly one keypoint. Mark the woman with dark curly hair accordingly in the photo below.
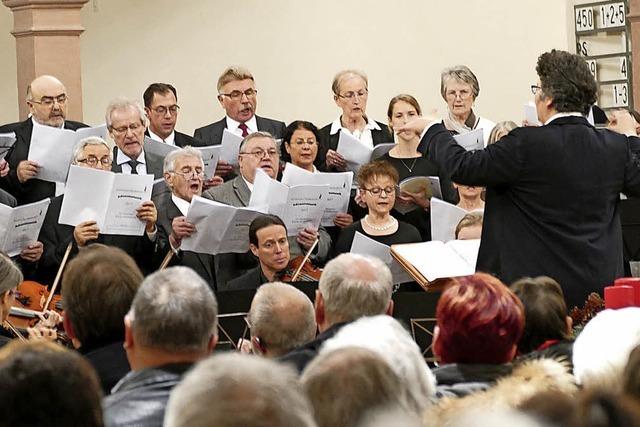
(552, 191)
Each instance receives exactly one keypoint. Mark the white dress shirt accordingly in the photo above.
(363, 136)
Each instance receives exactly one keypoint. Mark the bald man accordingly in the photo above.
(47, 102)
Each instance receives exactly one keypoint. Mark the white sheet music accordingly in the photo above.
(427, 185)
(230, 147)
(6, 142)
(470, 141)
(531, 114)
(356, 153)
(444, 219)
(20, 226)
(160, 149)
(364, 245)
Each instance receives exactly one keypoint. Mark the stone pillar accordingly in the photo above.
(634, 25)
(47, 36)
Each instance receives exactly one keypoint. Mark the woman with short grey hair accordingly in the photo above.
(460, 88)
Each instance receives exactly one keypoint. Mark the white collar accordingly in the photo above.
(171, 139)
(35, 123)
(123, 158)
(560, 115)
(252, 124)
(181, 204)
(336, 125)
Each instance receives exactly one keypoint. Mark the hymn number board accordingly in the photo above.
(602, 37)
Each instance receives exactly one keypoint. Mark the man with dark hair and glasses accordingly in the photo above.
(238, 96)
(47, 101)
(94, 152)
(258, 150)
(552, 191)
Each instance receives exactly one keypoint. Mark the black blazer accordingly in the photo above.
(252, 279)
(552, 200)
(56, 237)
(199, 262)
(34, 189)
(330, 142)
(154, 164)
(182, 140)
(212, 134)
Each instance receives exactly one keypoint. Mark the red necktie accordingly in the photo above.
(244, 128)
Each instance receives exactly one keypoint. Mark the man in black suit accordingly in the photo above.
(47, 101)
(126, 122)
(552, 191)
(161, 107)
(184, 176)
(268, 242)
(238, 96)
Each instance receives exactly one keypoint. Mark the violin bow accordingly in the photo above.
(14, 330)
(304, 260)
(58, 275)
(166, 260)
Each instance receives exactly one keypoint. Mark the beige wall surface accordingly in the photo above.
(294, 47)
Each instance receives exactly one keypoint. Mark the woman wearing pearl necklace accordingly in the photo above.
(378, 183)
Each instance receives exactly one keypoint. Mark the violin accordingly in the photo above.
(301, 269)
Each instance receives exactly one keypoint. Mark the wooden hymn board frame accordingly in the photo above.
(603, 38)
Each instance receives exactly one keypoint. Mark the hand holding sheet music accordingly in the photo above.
(20, 226)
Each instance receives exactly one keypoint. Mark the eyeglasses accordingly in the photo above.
(195, 174)
(351, 95)
(123, 129)
(162, 110)
(93, 161)
(259, 154)
(49, 101)
(376, 191)
(463, 94)
(236, 95)
(535, 89)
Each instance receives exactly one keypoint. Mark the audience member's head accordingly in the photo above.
(98, 287)
(345, 384)
(184, 172)
(44, 384)
(385, 336)
(93, 152)
(470, 226)
(479, 320)
(631, 375)
(10, 278)
(301, 144)
(281, 318)
(602, 349)
(126, 121)
(47, 101)
(352, 286)
(173, 318)
(499, 130)
(237, 93)
(603, 408)
(258, 150)
(235, 390)
(545, 312)
(161, 106)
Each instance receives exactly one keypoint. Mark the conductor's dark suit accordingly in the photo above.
(212, 134)
(552, 200)
(34, 189)
(200, 263)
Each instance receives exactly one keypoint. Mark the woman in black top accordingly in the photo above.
(10, 278)
(406, 159)
(378, 181)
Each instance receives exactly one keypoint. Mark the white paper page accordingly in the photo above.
(305, 207)
(428, 185)
(22, 226)
(52, 149)
(128, 193)
(236, 233)
(531, 115)
(364, 245)
(434, 260)
(470, 141)
(99, 131)
(353, 150)
(230, 147)
(444, 219)
(467, 249)
(158, 148)
(6, 142)
(211, 220)
(210, 156)
(381, 149)
(267, 191)
(86, 196)
(339, 188)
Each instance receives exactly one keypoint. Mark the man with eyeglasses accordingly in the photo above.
(552, 191)
(237, 94)
(93, 152)
(126, 122)
(258, 150)
(161, 106)
(184, 175)
(47, 101)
